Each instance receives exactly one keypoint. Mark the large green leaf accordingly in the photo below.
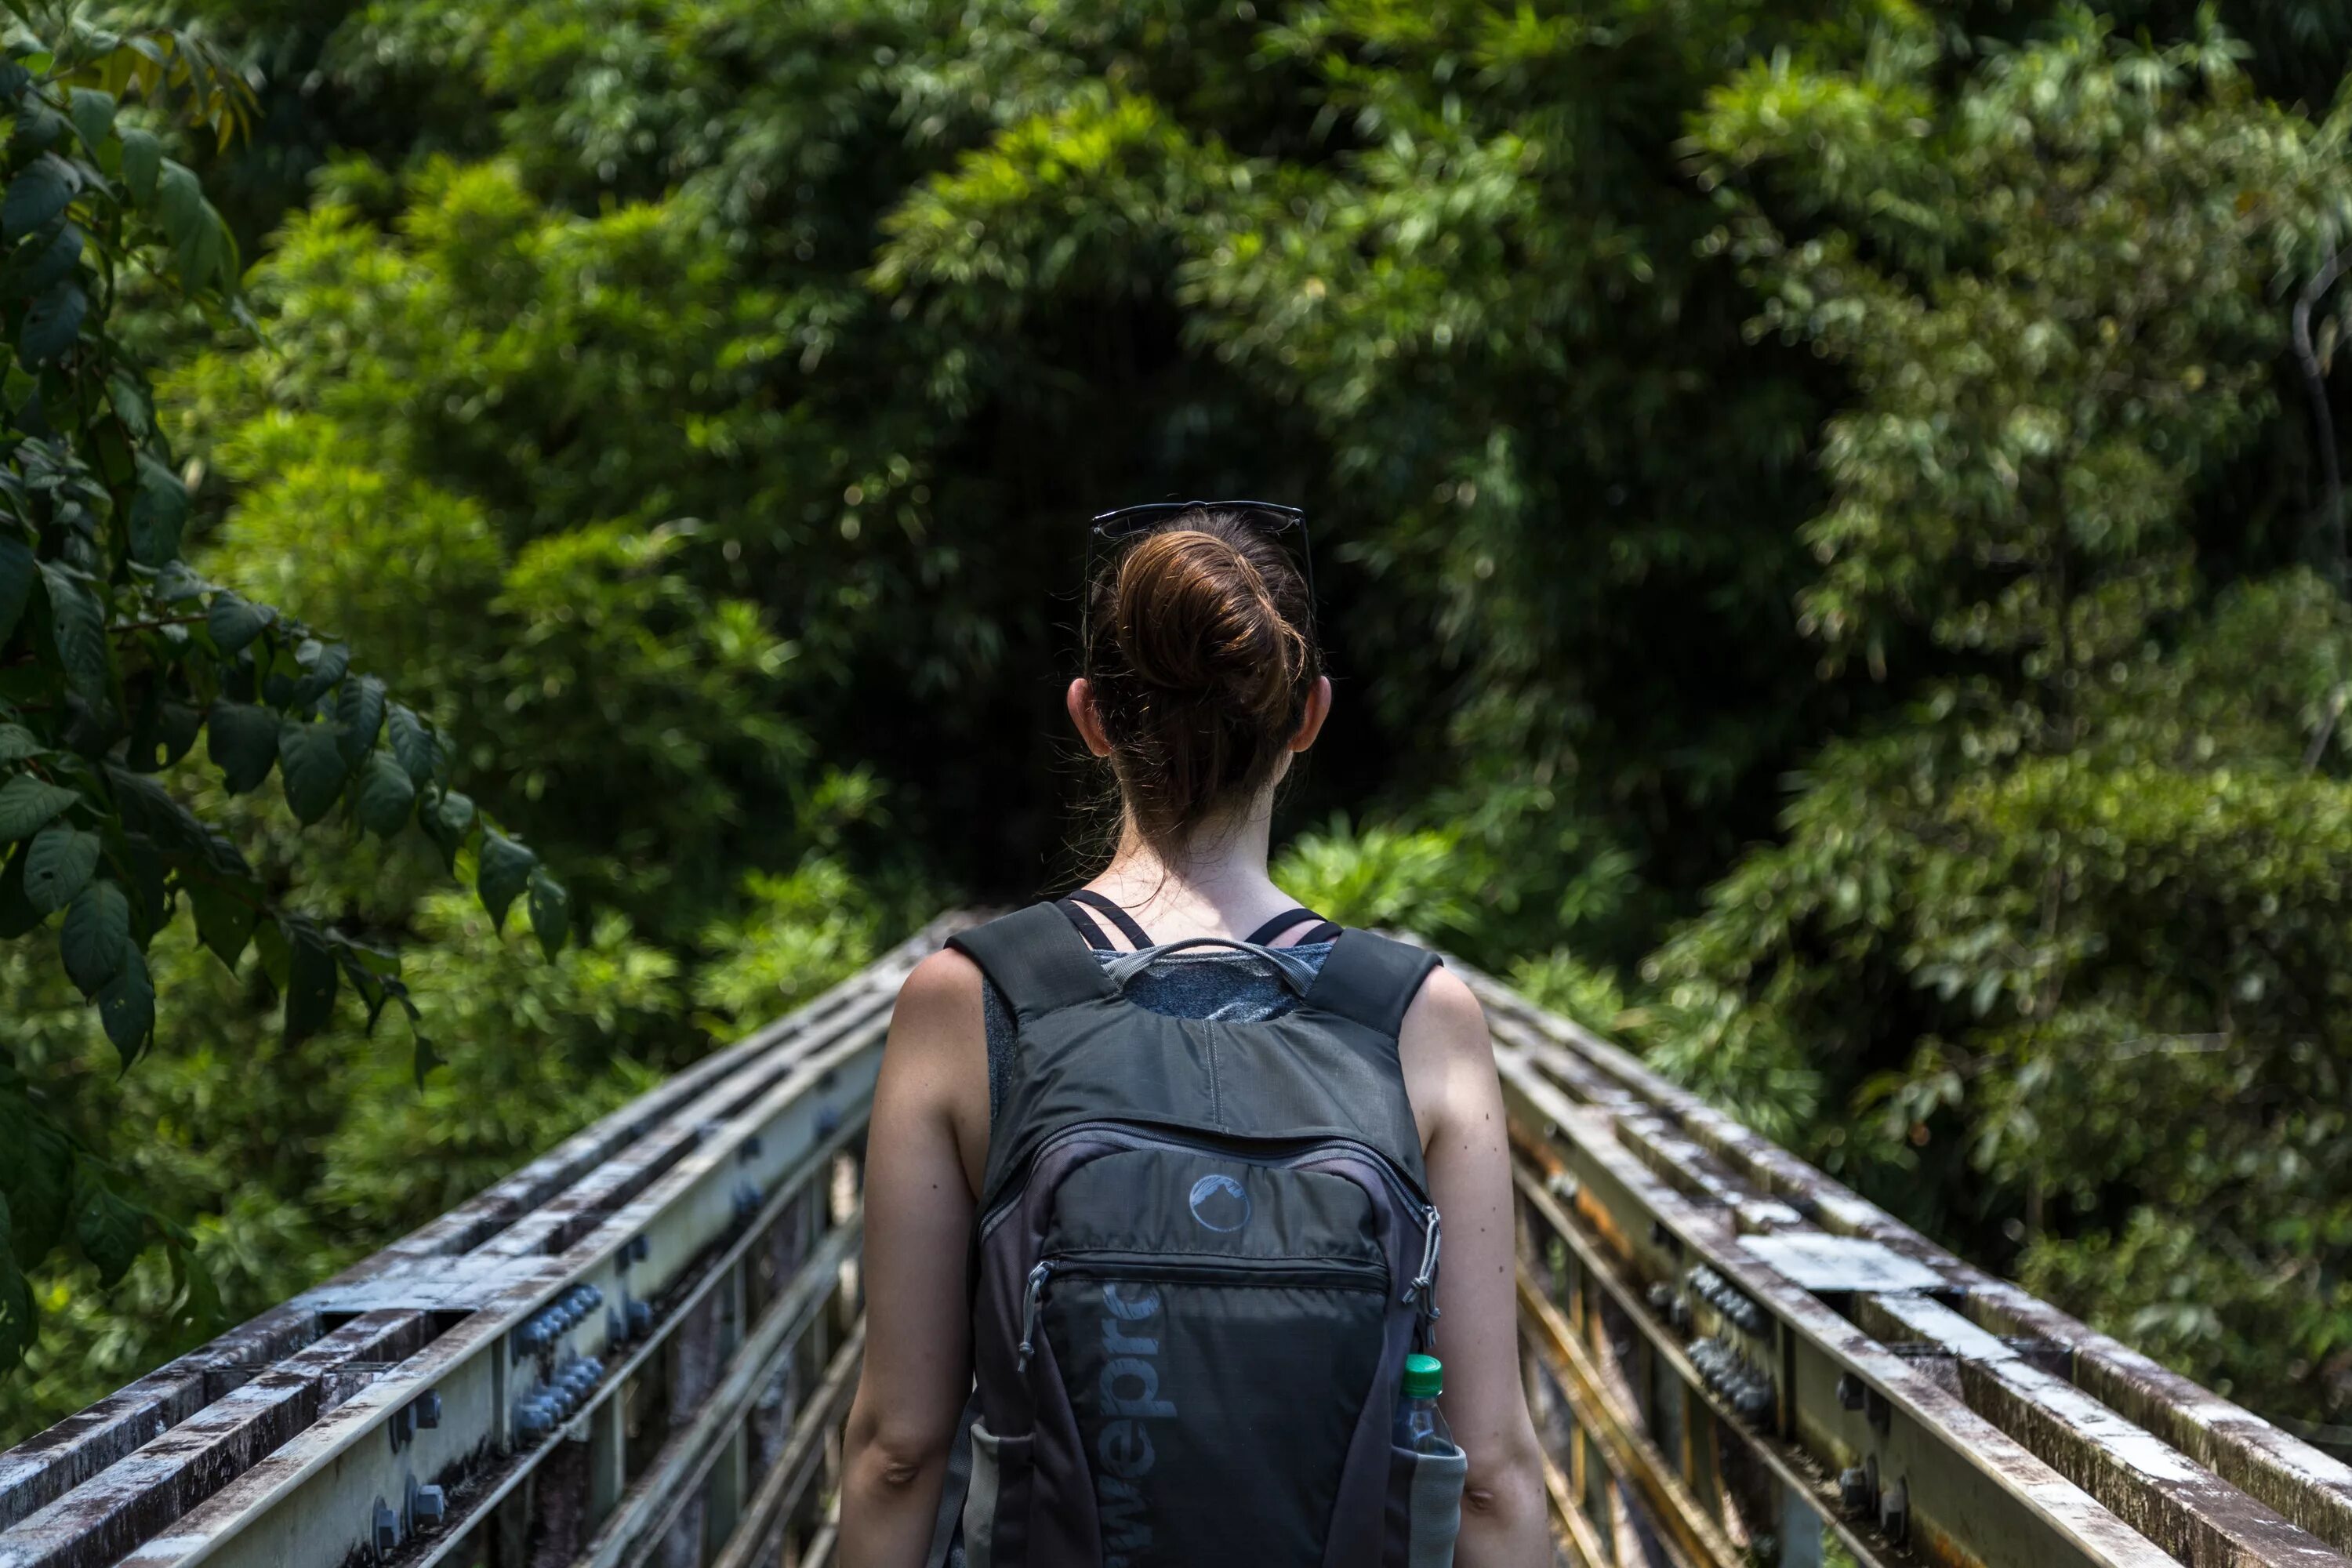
(26, 804)
(180, 205)
(19, 744)
(126, 1006)
(53, 323)
(162, 733)
(158, 511)
(242, 740)
(504, 871)
(448, 817)
(42, 263)
(551, 911)
(108, 1231)
(225, 917)
(58, 865)
(93, 115)
(17, 914)
(37, 194)
(232, 623)
(359, 714)
(310, 979)
(142, 161)
(386, 797)
(78, 627)
(18, 571)
(95, 941)
(311, 767)
(36, 1174)
(413, 743)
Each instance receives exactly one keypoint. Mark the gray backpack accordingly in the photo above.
(1205, 1250)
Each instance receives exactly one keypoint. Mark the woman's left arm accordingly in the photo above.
(1450, 1073)
(919, 1207)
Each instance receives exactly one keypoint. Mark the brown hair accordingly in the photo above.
(1201, 654)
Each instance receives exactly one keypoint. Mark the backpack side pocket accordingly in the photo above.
(1424, 1507)
(996, 1505)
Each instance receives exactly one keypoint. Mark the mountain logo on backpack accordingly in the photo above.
(1220, 1203)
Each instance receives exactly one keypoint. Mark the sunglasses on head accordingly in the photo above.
(1112, 528)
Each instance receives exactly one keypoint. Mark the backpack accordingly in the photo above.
(1205, 1250)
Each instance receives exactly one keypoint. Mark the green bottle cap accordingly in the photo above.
(1425, 1377)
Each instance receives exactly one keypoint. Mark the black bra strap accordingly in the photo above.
(1082, 923)
(1037, 959)
(1264, 936)
(1118, 917)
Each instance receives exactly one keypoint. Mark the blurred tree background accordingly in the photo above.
(1830, 530)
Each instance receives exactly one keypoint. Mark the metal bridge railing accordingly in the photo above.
(639, 1349)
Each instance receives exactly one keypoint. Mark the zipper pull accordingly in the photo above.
(1424, 1283)
(1029, 1314)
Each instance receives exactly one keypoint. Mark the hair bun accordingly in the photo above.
(1195, 621)
(1201, 657)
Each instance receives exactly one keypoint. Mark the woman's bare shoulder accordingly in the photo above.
(940, 1001)
(1448, 1060)
(1446, 1022)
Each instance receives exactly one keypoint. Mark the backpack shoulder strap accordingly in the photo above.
(1371, 979)
(1037, 959)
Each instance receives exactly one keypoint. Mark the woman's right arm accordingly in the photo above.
(919, 1209)
(1450, 1073)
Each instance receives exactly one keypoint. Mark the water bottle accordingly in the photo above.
(1418, 1426)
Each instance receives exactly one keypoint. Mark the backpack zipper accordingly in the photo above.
(1413, 1202)
(1337, 1273)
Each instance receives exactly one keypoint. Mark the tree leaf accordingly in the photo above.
(224, 921)
(414, 743)
(26, 804)
(109, 1232)
(242, 740)
(42, 263)
(310, 979)
(232, 623)
(19, 744)
(58, 865)
(78, 627)
(93, 115)
(311, 768)
(448, 817)
(126, 1006)
(37, 1173)
(96, 937)
(164, 730)
(17, 914)
(52, 322)
(551, 913)
(36, 195)
(158, 511)
(386, 797)
(180, 206)
(142, 160)
(358, 713)
(504, 870)
(17, 569)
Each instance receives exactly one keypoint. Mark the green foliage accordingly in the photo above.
(278, 1163)
(2048, 961)
(1379, 877)
(114, 655)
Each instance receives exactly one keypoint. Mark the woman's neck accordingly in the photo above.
(1214, 884)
